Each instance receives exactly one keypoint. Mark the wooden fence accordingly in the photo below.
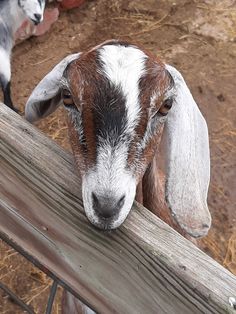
(143, 267)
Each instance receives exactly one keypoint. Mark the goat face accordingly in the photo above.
(113, 121)
(33, 9)
(117, 98)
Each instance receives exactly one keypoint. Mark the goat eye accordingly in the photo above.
(68, 99)
(166, 106)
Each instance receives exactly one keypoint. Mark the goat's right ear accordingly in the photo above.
(46, 96)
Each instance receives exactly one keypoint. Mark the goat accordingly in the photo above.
(121, 100)
(12, 15)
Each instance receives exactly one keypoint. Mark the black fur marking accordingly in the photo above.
(3, 81)
(6, 87)
(19, 4)
(109, 114)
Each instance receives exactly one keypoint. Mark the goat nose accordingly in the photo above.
(106, 206)
(37, 17)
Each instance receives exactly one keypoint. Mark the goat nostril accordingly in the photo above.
(106, 206)
(120, 203)
(95, 200)
(38, 17)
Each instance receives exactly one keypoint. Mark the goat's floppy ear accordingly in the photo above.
(188, 161)
(46, 96)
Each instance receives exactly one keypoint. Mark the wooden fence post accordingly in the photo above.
(143, 267)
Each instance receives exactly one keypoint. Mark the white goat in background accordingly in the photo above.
(12, 15)
(121, 101)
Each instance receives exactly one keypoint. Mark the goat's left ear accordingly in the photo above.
(46, 96)
(188, 161)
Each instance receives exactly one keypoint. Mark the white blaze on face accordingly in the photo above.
(124, 66)
(33, 8)
(111, 178)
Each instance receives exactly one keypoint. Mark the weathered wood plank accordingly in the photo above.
(144, 267)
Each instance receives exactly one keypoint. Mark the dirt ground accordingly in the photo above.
(197, 37)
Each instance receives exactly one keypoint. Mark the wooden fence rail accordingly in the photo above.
(143, 267)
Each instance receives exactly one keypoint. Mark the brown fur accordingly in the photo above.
(84, 77)
(151, 187)
(156, 79)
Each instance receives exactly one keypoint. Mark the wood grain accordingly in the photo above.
(143, 267)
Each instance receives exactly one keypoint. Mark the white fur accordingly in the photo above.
(17, 16)
(109, 177)
(124, 66)
(12, 15)
(188, 160)
(47, 89)
(5, 66)
(32, 7)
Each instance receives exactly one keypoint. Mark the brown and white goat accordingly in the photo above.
(121, 101)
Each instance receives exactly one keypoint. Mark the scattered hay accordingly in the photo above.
(30, 284)
(230, 258)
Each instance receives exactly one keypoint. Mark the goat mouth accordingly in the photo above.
(102, 223)
(105, 224)
(36, 22)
